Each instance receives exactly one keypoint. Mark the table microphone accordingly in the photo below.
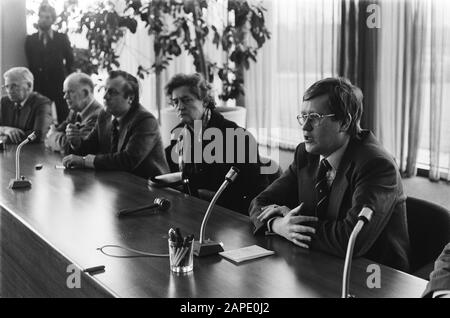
(161, 203)
(205, 247)
(364, 217)
(21, 181)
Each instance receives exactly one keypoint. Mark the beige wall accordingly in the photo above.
(13, 33)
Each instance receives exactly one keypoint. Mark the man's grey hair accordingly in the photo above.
(82, 79)
(20, 72)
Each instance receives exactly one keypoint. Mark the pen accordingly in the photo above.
(172, 235)
(179, 236)
(185, 241)
(94, 269)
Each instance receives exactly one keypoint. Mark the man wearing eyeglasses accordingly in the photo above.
(338, 169)
(126, 136)
(22, 111)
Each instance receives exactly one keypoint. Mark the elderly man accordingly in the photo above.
(84, 110)
(126, 136)
(23, 111)
(336, 171)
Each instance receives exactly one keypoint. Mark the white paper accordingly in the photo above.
(246, 253)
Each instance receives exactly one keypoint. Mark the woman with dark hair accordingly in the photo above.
(205, 146)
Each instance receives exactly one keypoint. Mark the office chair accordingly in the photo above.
(429, 232)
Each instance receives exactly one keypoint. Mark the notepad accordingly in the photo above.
(246, 253)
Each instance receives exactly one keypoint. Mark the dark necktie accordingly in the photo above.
(16, 115)
(114, 135)
(78, 118)
(322, 188)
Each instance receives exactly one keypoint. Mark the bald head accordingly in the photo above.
(78, 91)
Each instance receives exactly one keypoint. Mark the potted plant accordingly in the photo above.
(176, 26)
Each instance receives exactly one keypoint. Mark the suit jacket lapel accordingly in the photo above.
(123, 130)
(25, 111)
(38, 43)
(340, 184)
(306, 181)
(90, 110)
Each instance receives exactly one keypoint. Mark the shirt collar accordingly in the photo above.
(335, 158)
(22, 103)
(119, 119)
(49, 32)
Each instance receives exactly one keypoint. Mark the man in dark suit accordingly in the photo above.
(337, 170)
(439, 285)
(84, 110)
(126, 136)
(23, 111)
(50, 59)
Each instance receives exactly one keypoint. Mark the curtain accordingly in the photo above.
(439, 90)
(403, 37)
(413, 77)
(302, 50)
(137, 49)
(358, 53)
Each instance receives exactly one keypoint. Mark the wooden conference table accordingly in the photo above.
(67, 214)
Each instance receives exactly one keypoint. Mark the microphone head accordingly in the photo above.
(31, 136)
(163, 203)
(232, 174)
(365, 214)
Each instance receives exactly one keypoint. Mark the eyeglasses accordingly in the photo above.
(10, 87)
(314, 118)
(175, 102)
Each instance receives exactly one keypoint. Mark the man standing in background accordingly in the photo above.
(50, 59)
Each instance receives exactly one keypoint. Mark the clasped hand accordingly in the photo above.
(15, 135)
(289, 223)
(73, 161)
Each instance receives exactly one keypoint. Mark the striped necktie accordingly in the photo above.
(322, 188)
(114, 135)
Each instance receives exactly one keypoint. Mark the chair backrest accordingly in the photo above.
(429, 232)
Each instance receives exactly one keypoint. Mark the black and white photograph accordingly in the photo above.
(225, 156)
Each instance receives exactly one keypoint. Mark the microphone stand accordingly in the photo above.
(205, 247)
(20, 182)
(364, 217)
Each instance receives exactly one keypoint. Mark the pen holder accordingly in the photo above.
(181, 256)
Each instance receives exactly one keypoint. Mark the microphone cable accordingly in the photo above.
(139, 253)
